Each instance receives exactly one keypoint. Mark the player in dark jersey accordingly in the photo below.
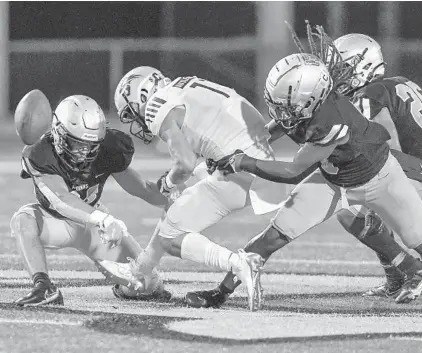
(395, 103)
(354, 164)
(69, 167)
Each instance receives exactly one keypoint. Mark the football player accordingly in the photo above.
(198, 118)
(69, 167)
(395, 103)
(355, 166)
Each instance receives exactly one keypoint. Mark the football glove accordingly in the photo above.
(230, 164)
(111, 230)
(163, 185)
(211, 165)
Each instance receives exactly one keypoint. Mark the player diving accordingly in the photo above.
(69, 166)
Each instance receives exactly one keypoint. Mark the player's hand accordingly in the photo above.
(163, 185)
(211, 165)
(112, 231)
(231, 164)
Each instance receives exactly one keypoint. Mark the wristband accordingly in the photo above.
(168, 182)
(97, 218)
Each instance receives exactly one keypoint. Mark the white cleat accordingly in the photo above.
(121, 273)
(249, 272)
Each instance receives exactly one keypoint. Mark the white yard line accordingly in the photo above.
(406, 338)
(188, 276)
(169, 260)
(39, 322)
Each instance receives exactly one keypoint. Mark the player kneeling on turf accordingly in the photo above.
(69, 166)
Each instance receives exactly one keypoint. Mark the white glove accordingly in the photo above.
(111, 230)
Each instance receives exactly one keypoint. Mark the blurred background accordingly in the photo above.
(66, 48)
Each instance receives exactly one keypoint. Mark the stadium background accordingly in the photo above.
(65, 48)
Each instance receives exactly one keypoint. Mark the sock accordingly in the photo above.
(151, 256)
(41, 278)
(407, 263)
(228, 285)
(195, 247)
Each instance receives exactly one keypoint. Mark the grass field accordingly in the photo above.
(312, 292)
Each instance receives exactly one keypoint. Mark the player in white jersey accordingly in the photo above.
(198, 118)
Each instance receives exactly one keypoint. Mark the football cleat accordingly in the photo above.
(41, 294)
(249, 273)
(159, 294)
(391, 288)
(411, 289)
(121, 273)
(213, 298)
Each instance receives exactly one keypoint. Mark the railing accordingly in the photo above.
(210, 49)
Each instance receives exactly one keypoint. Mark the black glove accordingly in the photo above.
(231, 163)
(211, 165)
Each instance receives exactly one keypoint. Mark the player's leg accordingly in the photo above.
(394, 198)
(197, 208)
(309, 204)
(369, 229)
(91, 245)
(34, 229)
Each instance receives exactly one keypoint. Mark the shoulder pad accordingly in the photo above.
(159, 105)
(39, 158)
(329, 124)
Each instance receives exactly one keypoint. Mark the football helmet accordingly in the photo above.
(363, 53)
(131, 96)
(295, 87)
(78, 128)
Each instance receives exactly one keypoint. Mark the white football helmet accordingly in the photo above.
(365, 54)
(78, 128)
(132, 94)
(296, 86)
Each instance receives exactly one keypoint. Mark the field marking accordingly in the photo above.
(409, 338)
(186, 276)
(169, 260)
(39, 322)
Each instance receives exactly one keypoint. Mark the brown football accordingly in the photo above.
(33, 116)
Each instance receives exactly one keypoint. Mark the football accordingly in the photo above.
(33, 116)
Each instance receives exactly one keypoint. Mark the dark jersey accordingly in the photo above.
(114, 156)
(356, 161)
(403, 99)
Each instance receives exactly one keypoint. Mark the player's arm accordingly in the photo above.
(275, 130)
(61, 200)
(133, 184)
(384, 118)
(184, 159)
(306, 160)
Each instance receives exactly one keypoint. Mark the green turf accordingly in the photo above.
(108, 325)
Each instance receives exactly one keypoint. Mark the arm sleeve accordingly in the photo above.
(119, 150)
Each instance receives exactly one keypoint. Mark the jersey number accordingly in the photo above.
(412, 91)
(198, 84)
(91, 194)
(328, 167)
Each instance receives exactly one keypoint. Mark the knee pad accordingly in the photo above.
(23, 220)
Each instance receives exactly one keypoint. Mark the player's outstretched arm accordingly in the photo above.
(68, 205)
(306, 160)
(184, 159)
(133, 184)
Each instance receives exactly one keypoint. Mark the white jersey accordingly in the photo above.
(217, 121)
